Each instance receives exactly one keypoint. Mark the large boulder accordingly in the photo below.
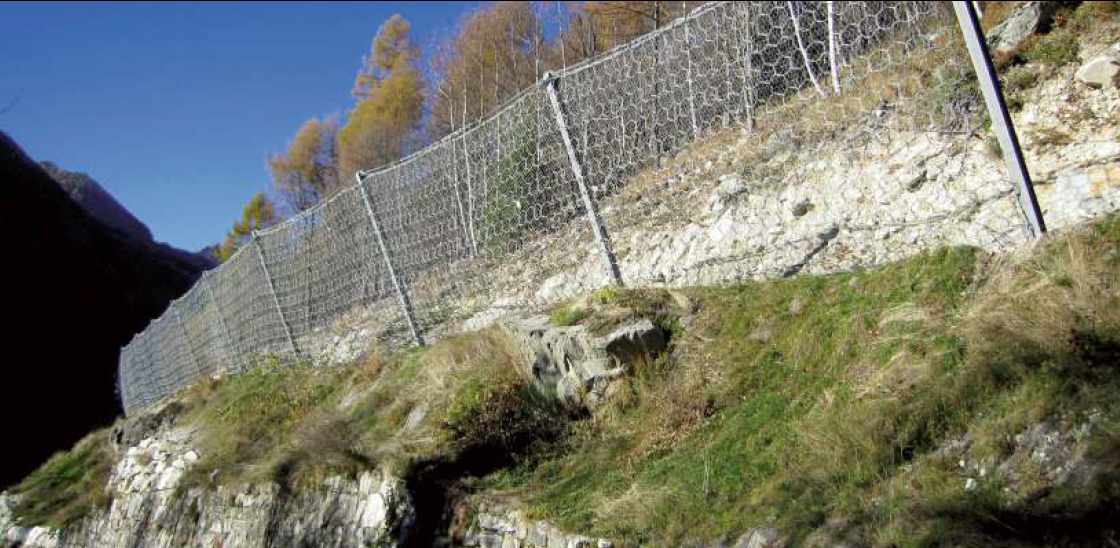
(1020, 24)
(575, 364)
(1099, 72)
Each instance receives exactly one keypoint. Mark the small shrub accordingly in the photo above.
(606, 295)
(1020, 78)
(1055, 49)
(503, 413)
(511, 208)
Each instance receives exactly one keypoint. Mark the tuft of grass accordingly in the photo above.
(565, 317)
(995, 12)
(1052, 137)
(1019, 78)
(68, 486)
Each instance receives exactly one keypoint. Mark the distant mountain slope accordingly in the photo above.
(97, 201)
(99, 204)
(75, 291)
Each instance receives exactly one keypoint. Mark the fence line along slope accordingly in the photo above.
(497, 216)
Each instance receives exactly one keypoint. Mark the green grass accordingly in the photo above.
(772, 368)
(288, 423)
(1056, 49)
(1060, 45)
(68, 486)
(565, 317)
(835, 413)
(258, 424)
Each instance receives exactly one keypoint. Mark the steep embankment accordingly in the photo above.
(953, 398)
(75, 292)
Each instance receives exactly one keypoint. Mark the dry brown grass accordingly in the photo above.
(632, 508)
(1044, 299)
(368, 368)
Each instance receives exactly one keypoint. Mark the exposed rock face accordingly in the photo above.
(495, 526)
(147, 510)
(762, 537)
(1026, 20)
(575, 364)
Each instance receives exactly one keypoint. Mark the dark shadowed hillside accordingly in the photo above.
(88, 194)
(101, 205)
(75, 290)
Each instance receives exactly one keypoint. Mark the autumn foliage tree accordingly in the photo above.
(306, 172)
(598, 26)
(388, 90)
(259, 213)
(496, 51)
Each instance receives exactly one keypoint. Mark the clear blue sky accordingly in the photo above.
(173, 107)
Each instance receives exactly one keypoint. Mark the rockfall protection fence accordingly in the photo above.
(412, 248)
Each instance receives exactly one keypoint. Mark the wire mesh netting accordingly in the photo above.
(495, 216)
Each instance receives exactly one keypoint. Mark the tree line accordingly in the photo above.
(403, 100)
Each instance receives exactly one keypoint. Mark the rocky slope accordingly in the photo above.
(151, 499)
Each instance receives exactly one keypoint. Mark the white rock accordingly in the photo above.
(1099, 71)
(374, 514)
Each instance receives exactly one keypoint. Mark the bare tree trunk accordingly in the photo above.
(563, 53)
(656, 83)
(804, 52)
(832, 47)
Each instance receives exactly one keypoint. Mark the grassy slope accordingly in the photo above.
(822, 400)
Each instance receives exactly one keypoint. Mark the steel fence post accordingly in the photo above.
(187, 341)
(688, 75)
(256, 242)
(1001, 118)
(234, 352)
(470, 194)
(747, 43)
(468, 236)
(577, 170)
(124, 377)
(402, 293)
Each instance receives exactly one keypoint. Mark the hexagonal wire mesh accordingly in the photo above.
(492, 217)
